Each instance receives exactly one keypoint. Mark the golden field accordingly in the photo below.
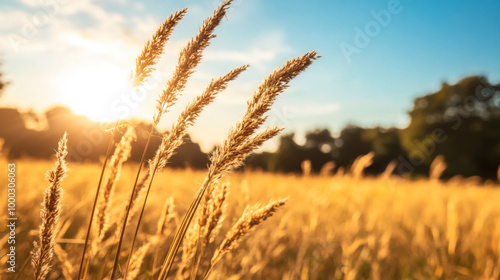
(201, 224)
(332, 227)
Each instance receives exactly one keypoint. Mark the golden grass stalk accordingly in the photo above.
(327, 168)
(240, 144)
(94, 205)
(120, 155)
(175, 138)
(154, 49)
(137, 192)
(452, 226)
(438, 166)
(166, 215)
(189, 58)
(189, 249)
(217, 207)
(252, 216)
(66, 266)
(193, 234)
(51, 209)
(306, 167)
(360, 164)
(389, 169)
(132, 205)
(136, 261)
(206, 225)
(19, 273)
(212, 216)
(144, 63)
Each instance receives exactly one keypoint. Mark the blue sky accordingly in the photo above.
(53, 60)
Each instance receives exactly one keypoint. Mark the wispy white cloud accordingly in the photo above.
(30, 3)
(84, 35)
(41, 26)
(265, 48)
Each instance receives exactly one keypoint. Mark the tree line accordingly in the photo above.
(460, 122)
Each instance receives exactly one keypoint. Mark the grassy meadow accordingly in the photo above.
(339, 226)
(144, 220)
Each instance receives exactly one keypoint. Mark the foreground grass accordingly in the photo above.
(335, 227)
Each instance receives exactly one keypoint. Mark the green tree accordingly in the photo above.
(349, 145)
(385, 143)
(459, 121)
(288, 156)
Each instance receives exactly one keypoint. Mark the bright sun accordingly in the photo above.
(92, 90)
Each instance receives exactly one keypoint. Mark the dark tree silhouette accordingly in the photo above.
(2, 84)
(289, 155)
(460, 122)
(87, 140)
(385, 143)
(349, 145)
(318, 147)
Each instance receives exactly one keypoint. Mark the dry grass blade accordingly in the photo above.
(176, 135)
(51, 209)
(236, 156)
(389, 169)
(189, 58)
(96, 197)
(217, 209)
(179, 129)
(210, 213)
(154, 48)
(240, 144)
(210, 221)
(136, 261)
(137, 191)
(360, 164)
(166, 215)
(206, 225)
(174, 247)
(260, 103)
(189, 249)
(327, 168)
(252, 216)
(132, 205)
(144, 63)
(120, 155)
(143, 68)
(438, 166)
(19, 273)
(306, 167)
(66, 266)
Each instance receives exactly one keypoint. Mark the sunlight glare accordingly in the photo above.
(94, 91)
